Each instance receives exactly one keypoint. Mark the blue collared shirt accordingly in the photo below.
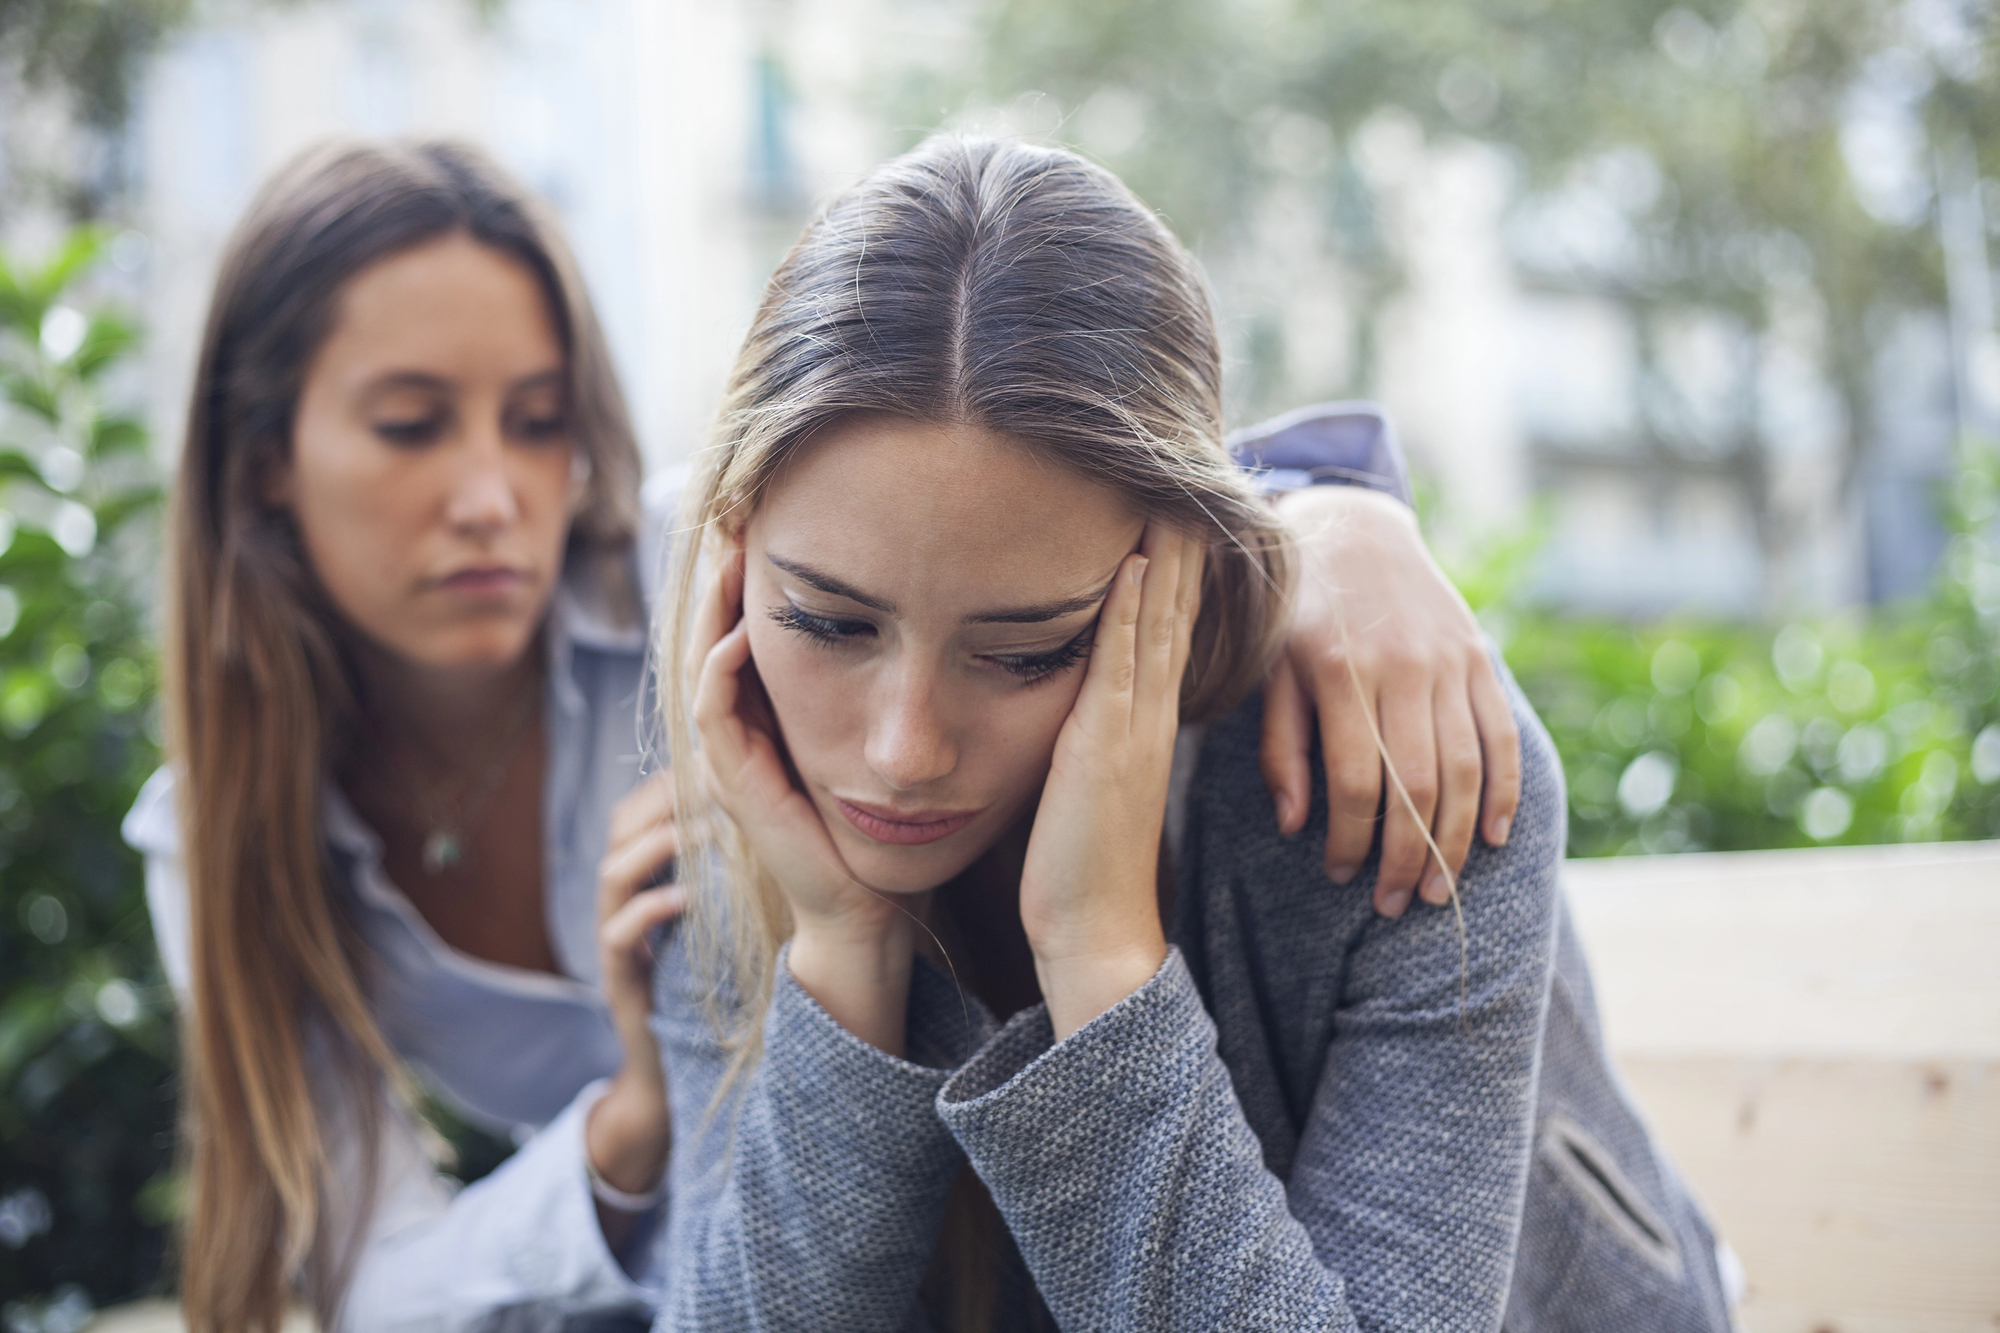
(518, 1051)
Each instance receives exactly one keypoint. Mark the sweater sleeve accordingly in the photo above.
(1130, 1177)
(1327, 444)
(808, 1194)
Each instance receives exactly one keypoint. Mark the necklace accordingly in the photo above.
(451, 815)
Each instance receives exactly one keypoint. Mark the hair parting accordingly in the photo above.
(977, 282)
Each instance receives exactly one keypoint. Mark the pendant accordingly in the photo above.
(442, 851)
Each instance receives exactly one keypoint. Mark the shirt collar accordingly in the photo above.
(581, 617)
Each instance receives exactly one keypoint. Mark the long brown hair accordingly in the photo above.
(259, 693)
(1020, 289)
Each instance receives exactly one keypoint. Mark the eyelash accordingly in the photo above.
(416, 432)
(410, 434)
(818, 628)
(1030, 667)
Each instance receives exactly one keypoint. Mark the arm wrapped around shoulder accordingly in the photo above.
(1414, 1150)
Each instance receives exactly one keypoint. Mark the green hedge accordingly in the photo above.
(1856, 728)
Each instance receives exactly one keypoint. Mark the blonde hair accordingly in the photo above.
(1016, 288)
(260, 693)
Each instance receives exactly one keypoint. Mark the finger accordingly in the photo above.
(721, 608)
(624, 934)
(1500, 748)
(1187, 602)
(740, 756)
(1459, 771)
(1107, 684)
(1286, 750)
(1153, 667)
(1353, 763)
(649, 803)
(1187, 609)
(634, 866)
(715, 698)
(1409, 734)
(625, 947)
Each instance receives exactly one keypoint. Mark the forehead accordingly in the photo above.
(452, 304)
(925, 513)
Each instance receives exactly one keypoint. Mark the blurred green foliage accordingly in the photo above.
(86, 1037)
(1883, 727)
(91, 49)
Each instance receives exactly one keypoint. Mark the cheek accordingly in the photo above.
(545, 487)
(357, 515)
(813, 692)
(1017, 735)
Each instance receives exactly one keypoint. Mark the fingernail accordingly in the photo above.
(1343, 874)
(1138, 571)
(1284, 803)
(1501, 828)
(1397, 903)
(1436, 892)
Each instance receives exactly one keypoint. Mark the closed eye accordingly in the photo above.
(411, 432)
(1032, 667)
(820, 629)
(539, 427)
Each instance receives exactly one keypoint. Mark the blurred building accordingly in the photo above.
(1676, 459)
(636, 119)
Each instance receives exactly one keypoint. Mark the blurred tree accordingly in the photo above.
(1753, 157)
(91, 49)
(86, 1037)
(90, 55)
(84, 56)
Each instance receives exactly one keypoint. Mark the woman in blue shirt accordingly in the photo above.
(403, 829)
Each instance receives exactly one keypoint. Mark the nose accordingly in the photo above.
(482, 500)
(910, 740)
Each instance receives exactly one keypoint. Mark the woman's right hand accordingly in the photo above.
(851, 947)
(628, 1133)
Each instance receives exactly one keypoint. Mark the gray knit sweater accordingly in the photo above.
(1310, 1118)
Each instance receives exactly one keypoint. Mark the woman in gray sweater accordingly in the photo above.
(1005, 1004)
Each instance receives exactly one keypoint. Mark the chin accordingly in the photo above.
(481, 647)
(904, 870)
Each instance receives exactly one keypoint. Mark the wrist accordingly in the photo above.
(627, 1136)
(859, 975)
(1315, 501)
(1083, 982)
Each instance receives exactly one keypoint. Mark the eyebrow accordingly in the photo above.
(827, 583)
(1019, 615)
(406, 379)
(418, 379)
(1035, 615)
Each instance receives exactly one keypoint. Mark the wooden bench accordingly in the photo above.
(1816, 1037)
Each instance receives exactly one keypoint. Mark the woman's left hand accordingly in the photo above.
(1089, 895)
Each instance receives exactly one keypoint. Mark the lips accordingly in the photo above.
(484, 580)
(903, 828)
